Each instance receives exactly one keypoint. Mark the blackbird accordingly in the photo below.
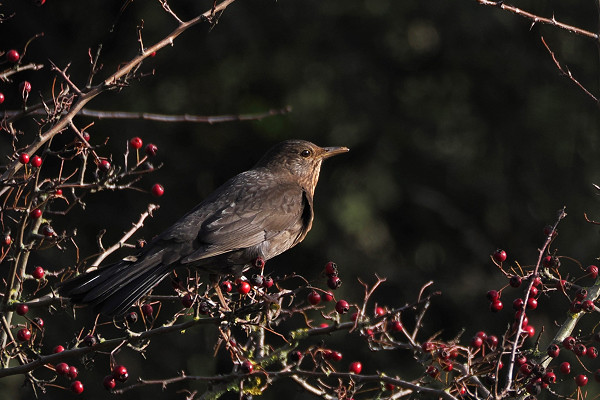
(261, 212)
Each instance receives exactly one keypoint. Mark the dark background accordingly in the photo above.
(463, 138)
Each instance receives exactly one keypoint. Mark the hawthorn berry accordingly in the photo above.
(62, 368)
(379, 311)
(549, 230)
(537, 281)
(533, 291)
(532, 303)
(529, 330)
(35, 213)
(331, 269)
(243, 287)
(226, 286)
(332, 355)
(23, 335)
(580, 349)
(553, 350)
(493, 295)
(58, 349)
(295, 356)
(73, 372)
(432, 371)
(136, 143)
(481, 334)
(581, 294)
(314, 298)
(109, 382)
(342, 307)
(592, 271)
(526, 369)
(22, 309)
(575, 307)
(247, 367)
(147, 310)
(515, 281)
(38, 272)
(158, 190)
(38, 323)
(58, 192)
(587, 306)
(389, 386)
(259, 262)
(327, 297)
(256, 280)
(396, 326)
(581, 380)
(428, 347)
(86, 136)
(23, 158)
(90, 340)
(104, 165)
(496, 306)
(77, 387)
(36, 161)
(521, 359)
(592, 352)
(569, 342)
(1, 97)
(549, 378)
(492, 341)
(187, 301)
(499, 256)
(120, 373)
(6, 240)
(476, 342)
(25, 88)
(565, 368)
(355, 367)
(267, 282)
(151, 149)
(334, 282)
(132, 317)
(12, 56)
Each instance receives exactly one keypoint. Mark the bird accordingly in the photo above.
(257, 214)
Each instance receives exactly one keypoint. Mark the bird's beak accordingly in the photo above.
(332, 151)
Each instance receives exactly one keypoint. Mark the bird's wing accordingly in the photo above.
(239, 216)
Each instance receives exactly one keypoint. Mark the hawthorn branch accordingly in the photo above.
(18, 68)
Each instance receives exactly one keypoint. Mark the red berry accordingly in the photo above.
(1, 97)
(22, 309)
(58, 192)
(396, 326)
(12, 56)
(136, 143)
(515, 281)
(226, 286)
(476, 342)
(529, 330)
(109, 382)
(537, 281)
(23, 335)
(259, 262)
(569, 342)
(333, 355)
(526, 369)
(499, 256)
(86, 136)
(581, 294)
(379, 311)
(38, 323)
(549, 378)
(592, 271)
(25, 88)
(532, 303)
(481, 334)
(549, 230)
(428, 347)
(73, 372)
(158, 190)
(48, 230)
(575, 307)
(38, 272)
(565, 368)
(77, 387)
(496, 306)
(493, 295)
(553, 350)
(247, 367)
(390, 387)
(314, 298)
(62, 368)
(90, 340)
(104, 165)
(36, 161)
(35, 213)
(152, 54)
(24, 158)
(492, 341)
(533, 291)
(267, 282)
(147, 310)
(521, 360)
(432, 371)
(355, 367)
(587, 306)
(334, 282)
(327, 297)
(58, 349)
(342, 307)
(592, 352)
(331, 269)
(243, 287)
(187, 301)
(7, 240)
(581, 380)
(580, 349)
(151, 149)
(518, 304)
(120, 373)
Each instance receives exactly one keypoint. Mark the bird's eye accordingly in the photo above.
(305, 153)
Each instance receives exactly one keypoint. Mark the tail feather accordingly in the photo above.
(111, 290)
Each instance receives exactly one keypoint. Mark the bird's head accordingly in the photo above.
(300, 158)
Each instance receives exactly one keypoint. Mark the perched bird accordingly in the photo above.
(261, 212)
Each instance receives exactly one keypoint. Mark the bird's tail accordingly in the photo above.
(111, 290)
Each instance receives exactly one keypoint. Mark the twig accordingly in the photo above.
(19, 68)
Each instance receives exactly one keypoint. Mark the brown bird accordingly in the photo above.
(261, 212)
